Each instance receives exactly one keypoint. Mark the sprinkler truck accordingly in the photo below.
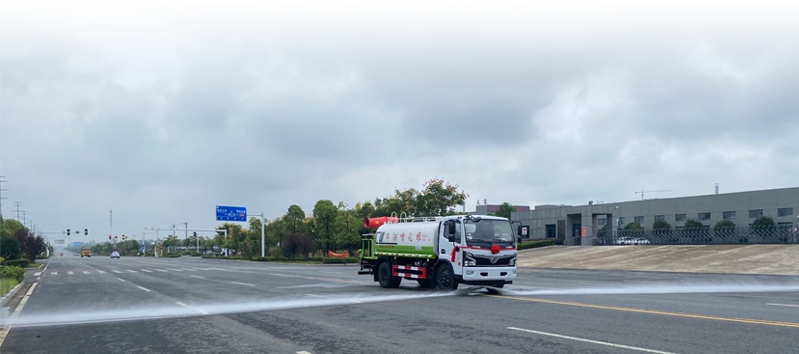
(440, 252)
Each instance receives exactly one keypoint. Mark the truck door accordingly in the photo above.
(449, 250)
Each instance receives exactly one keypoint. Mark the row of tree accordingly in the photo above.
(332, 226)
(17, 241)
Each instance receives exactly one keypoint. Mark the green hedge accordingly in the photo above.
(12, 273)
(18, 263)
(538, 244)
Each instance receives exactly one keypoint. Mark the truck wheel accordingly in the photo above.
(425, 283)
(385, 278)
(445, 278)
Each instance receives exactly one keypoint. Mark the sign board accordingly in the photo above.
(584, 231)
(231, 213)
(525, 231)
(77, 244)
(142, 249)
(58, 242)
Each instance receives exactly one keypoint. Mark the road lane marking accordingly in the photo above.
(784, 305)
(160, 270)
(7, 328)
(217, 268)
(54, 273)
(122, 280)
(37, 274)
(303, 352)
(101, 271)
(85, 272)
(653, 312)
(197, 276)
(590, 341)
(204, 268)
(247, 284)
(143, 288)
(195, 309)
(132, 271)
(146, 271)
(189, 269)
(175, 270)
(116, 271)
(70, 273)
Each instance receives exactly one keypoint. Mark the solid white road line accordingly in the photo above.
(132, 271)
(204, 268)
(146, 271)
(143, 288)
(197, 276)
(590, 341)
(4, 331)
(195, 309)
(54, 273)
(70, 273)
(784, 305)
(247, 284)
(116, 271)
(85, 272)
(189, 269)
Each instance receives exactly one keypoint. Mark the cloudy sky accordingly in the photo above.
(163, 110)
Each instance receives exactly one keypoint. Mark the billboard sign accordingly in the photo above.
(231, 213)
(58, 242)
(77, 244)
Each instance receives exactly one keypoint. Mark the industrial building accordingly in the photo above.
(578, 224)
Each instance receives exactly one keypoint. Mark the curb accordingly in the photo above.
(10, 294)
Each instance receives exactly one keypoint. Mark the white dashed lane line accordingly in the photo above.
(85, 272)
(146, 271)
(132, 271)
(70, 273)
(116, 271)
(143, 288)
(246, 284)
(197, 276)
(783, 305)
(590, 341)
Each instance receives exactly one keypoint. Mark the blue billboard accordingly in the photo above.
(77, 244)
(231, 213)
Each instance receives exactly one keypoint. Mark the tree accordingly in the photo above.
(21, 235)
(12, 226)
(34, 246)
(764, 222)
(723, 225)
(439, 198)
(304, 245)
(9, 247)
(633, 226)
(295, 217)
(324, 213)
(505, 210)
(661, 225)
(347, 227)
(693, 224)
(364, 210)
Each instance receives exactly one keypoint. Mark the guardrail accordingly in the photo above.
(701, 236)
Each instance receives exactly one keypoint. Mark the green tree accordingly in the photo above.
(633, 226)
(693, 224)
(295, 217)
(505, 210)
(235, 236)
(12, 226)
(439, 198)
(347, 226)
(724, 225)
(364, 210)
(763, 222)
(325, 213)
(661, 225)
(9, 246)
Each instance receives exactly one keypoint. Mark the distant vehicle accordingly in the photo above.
(115, 254)
(85, 251)
(62, 254)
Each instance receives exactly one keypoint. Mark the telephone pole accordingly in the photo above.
(110, 222)
(1, 195)
(16, 206)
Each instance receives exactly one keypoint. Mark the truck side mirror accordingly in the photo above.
(451, 232)
(519, 230)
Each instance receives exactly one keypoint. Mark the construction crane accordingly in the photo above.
(657, 191)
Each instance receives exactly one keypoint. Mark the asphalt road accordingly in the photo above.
(191, 305)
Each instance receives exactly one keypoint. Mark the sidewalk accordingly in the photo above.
(737, 259)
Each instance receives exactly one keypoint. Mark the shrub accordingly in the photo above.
(538, 244)
(333, 260)
(6, 284)
(18, 263)
(16, 273)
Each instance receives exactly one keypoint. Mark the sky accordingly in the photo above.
(163, 110)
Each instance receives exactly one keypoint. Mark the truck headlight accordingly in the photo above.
(512, 261)
(468, 260)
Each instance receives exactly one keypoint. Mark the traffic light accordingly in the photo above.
(123, 237)
(86, 231)
(109, 237)
(67, 232)
(195, 234)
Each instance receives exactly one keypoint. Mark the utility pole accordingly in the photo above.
(16, 206)
(110, 221)
(23, 217)
(263, 234)
(186, 236)
(2, 197)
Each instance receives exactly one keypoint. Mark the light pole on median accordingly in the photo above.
(263, 234)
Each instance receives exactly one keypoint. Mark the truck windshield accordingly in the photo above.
(482, 232)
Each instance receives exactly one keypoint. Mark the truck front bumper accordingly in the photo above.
(483, 275)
